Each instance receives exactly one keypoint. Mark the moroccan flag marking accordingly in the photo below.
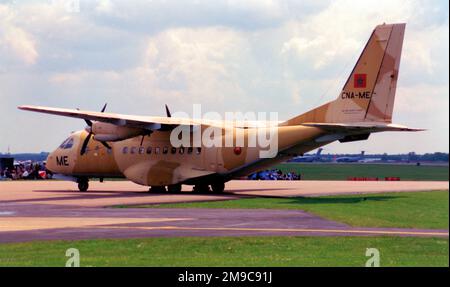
(360, 81)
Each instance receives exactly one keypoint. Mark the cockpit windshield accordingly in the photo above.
(67, 144)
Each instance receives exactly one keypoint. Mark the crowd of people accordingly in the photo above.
(37, 170)
(25, 170)
(274, 174)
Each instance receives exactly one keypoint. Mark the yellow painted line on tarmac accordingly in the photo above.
(351, 231)
(11, 224)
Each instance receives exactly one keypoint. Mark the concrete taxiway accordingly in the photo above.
(43, 210)
(127, 193)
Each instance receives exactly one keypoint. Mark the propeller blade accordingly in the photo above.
(104, 107)
(88, 122)
(168, 112)
(85, 144)
(105, 144)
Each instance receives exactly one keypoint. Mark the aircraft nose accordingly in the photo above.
(51, 160)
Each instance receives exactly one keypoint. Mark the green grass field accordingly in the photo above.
(231, 251)
(332, 171)
(399, 209)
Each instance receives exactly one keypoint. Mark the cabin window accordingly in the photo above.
(173, 150)
(165, 150)
(181, 150)
(198, 150)
(141, 150)
(149, 150)
(125, 150)
(190, 150)
(157, 149)
(133, 150)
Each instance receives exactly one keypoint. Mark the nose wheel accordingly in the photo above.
(83, 184)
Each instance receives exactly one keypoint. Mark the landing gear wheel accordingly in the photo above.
(174, 188)
(157, 189)
(218, 187)
(201, 188)
(83, 184)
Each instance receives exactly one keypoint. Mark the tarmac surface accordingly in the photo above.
(47, 210)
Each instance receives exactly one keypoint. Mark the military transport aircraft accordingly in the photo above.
(351, 158)
(308, 158)
(139, 148)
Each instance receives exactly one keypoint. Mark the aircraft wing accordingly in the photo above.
(143, 122)
(364, 127)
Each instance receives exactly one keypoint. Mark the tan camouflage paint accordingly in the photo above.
(96, 162)
(379, 61)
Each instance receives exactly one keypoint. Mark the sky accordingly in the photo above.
(250, 56)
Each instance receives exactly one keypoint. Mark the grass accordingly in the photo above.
(231, 251)
(401, 209)
(342, 171)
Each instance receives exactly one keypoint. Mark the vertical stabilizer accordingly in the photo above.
(369, 92)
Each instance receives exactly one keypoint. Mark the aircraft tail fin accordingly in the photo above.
(369, 92)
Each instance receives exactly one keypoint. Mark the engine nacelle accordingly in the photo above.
(106, 132)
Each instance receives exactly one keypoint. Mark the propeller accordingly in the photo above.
(89, 129)
(168, 112)
(169, 115)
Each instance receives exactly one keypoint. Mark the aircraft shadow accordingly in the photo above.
(340, 200)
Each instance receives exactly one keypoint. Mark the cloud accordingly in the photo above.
(15, 40)
(194, 65)
(421, 99)
(422, 47)
(340, 29)
(284, 56)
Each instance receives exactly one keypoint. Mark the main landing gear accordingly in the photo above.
(83, 184)
(218, 187)
(157, 189)
(173, 188)
(201, 188)
(215, 187)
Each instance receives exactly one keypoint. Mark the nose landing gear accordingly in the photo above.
(83, 184)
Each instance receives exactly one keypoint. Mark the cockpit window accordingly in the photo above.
(68, 143)
(64, 143)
